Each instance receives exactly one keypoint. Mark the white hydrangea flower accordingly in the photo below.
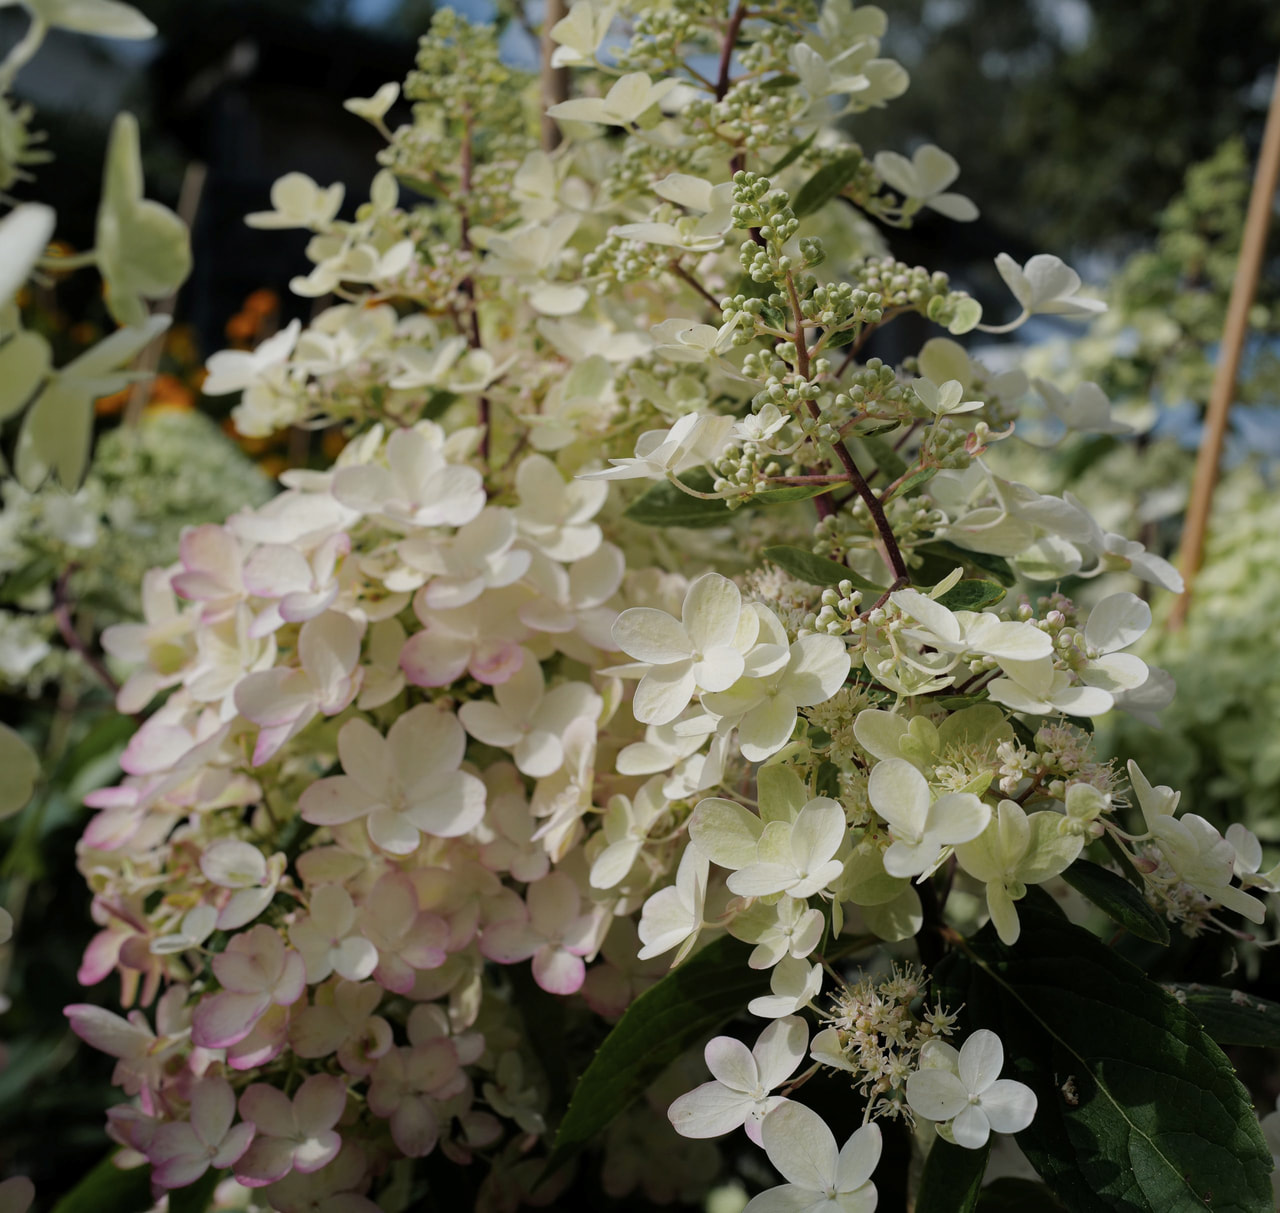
(945, 399)
(1086, 411)
(297, 201)
(964, 1091)
(695, 439)
(924, 179)
(578, 36)
(623, 105)
(1045, 286)
(922, 827)
(794, 984)
(820, 1178)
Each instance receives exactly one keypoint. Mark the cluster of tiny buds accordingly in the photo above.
(840, 611)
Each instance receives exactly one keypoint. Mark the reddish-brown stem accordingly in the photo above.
(862, 337)
(726, 50)
(683, 274)
(892, 553)
(467, 286)
(71, 638)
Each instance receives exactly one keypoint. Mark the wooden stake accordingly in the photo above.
(1234, 332)
(554, 81)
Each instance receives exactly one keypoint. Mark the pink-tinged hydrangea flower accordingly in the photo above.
(16, 1194)
(407, 1088)
(404, 785)
(291, 1134)
(554, 932)
(482, 639)
(611, 987)
(160, 648)
(407, 939)
(329, 937)
(299, 587)
(342, 1022)
(256, 972)
(249, 876)
(528, 720)
(416, 488)
(143, 1054)
(744, 1078)
(183, 1151)
(479, 557)
(284, 701)
(212, 569)
(334, 1188)
(265, 1042)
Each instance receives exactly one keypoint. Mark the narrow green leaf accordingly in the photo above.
(825, 184)
(774, 83)
(791, 492)
(108, 1187)
(692, 1000)
(952, 1179)
(665, 505)
(946, 556)
(913, 482)
(791, 157)
(1120, 900)
(972, 595)
(817, 570)
(1232, 1017)
(1139, 1110)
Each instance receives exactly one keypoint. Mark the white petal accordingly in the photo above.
(801, 1146)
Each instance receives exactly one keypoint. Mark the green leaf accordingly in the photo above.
(825, 184)
(791, 157)
(791, 492)
(692, 1000)
(817, 570)
(1139, 1110)
(776, 82)
(947, 556)
(1232, 1017)
(1120, 900)
(666, 505)
(108, 1187)
(196, 1197)
(972, 595)
(952, 1179)
(1010, 1195)
(913, 482)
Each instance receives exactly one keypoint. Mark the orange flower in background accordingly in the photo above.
(109, 406)
(168, 392)
(262, 302)
(242, 328)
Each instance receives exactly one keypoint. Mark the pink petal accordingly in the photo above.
(434, 659)
(223, 1019)
(558, 971)
(510, 942)
(267, 1160)
(415, 1127)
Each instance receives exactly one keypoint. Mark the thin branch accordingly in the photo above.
(684, 275)
(71, 638)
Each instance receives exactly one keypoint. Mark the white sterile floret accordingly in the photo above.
(1087, 410)
(299, 202)
(794, 984)
(1016, 850)
(795, 857)
(757, 427)
(713, 205)
(945, 399)
(695, 439)
(701, 651)
(1046, 286)
(744, 1078)
(977, 632)
(672, 917)
(764, 704)
(235, 370)
(579, 35)
(374, 109)
(964, 1093)
(679, 340)
(554, 515)
(924, 179)
(528, 720)
(921, 826)
(623, 105)
(820, 1178)
(626, 826)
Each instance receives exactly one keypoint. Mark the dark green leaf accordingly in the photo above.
(791, 157)
(825, 184)
(948, 556)
(776, 82)
(817, 570)
(196, 1197)
(1139, 1110)
(913, 482)
(666, 505)
(972, 595)
(952, 1178)
(107, 1187)
(791, 492)
(827, 782)
(1232, 1017)
(692, 1000)
(1119, 899)
(1011, 1195)
(839, 340)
